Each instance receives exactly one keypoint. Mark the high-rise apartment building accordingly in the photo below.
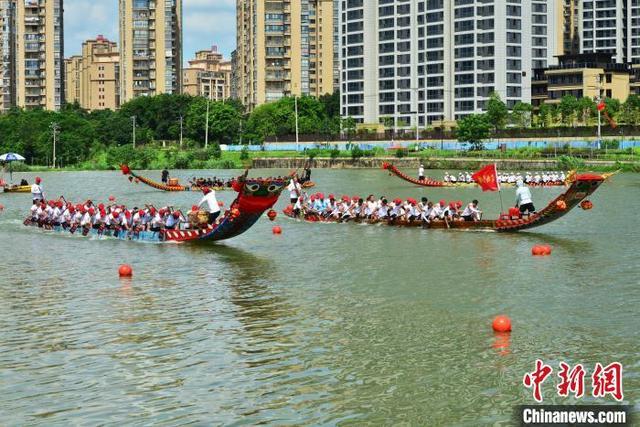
(605, 26)
(285, 48)
(150, 47)
(569, 19)
(72, 73)
(32, 52)
(92, 79)
(417, 61)
(208, 75)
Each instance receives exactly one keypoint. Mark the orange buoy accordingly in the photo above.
(125, 270)
(502, 323)
(277, 230)
(541, 250)
(272, 215)
(586, 205)
(561, 205)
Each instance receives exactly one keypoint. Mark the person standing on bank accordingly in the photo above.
(524, 201)
(421, 173)
(213, 208)
(165, 176)
(36, 190)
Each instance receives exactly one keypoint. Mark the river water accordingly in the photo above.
(326, 324)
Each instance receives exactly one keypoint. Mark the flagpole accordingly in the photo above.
(495, 167)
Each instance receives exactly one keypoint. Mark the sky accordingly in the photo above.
(206, 23)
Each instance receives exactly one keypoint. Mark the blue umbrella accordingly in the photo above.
(9, 158)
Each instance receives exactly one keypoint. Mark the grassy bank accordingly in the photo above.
(155, 158)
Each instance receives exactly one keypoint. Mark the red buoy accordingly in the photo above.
(541, 250)
(546, 250)
(277, 230)
(272, 215)
(112, 198)
(502, 323)
(125, 270)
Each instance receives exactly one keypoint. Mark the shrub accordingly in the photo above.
(401, 152)
(334, 153)
(570, 163)
(244, 153)
(356, 152)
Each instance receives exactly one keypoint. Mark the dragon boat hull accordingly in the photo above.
(134, 177)
(581, 188)
(17, 189)
(429, 182)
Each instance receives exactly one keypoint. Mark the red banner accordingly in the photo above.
(487, 178)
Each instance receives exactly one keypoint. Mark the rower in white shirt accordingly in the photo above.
(294, 190)
(471, 212)
(37, 193)
(212, 206)
(524, 201)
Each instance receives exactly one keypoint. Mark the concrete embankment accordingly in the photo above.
(413, 162)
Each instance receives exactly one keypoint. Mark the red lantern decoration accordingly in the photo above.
(561, 205)
(601, 106)
(272, 215)
(586, 205)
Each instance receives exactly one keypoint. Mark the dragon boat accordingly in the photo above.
(581, 187)
(429, 182)
(134, 177)
(17, 189)
(255, 196)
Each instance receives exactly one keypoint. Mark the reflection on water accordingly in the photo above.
(326, 324)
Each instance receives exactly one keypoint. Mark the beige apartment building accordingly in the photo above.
(284, 48)
(208, 75)
(72, 70)
(32, 52)
(150, 47)
(93, 78)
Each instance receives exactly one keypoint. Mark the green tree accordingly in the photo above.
(473, 129)
(224, 121)
(521, 115)
(349, 126)
(630, 110)
(544, 117)
(568, 108)
(613, 107)
(497, 111)
(586, 109)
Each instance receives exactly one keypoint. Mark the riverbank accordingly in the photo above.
(147, 158)
(457, 163)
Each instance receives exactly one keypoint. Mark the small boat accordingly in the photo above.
(16, 189)
(429, 182)
(254, 198)
(580, 188)
(134, 177)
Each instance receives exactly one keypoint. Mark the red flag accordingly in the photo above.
(487, 178)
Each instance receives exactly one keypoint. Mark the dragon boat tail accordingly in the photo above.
(254, 198)
(581, 187)
(429, 182)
